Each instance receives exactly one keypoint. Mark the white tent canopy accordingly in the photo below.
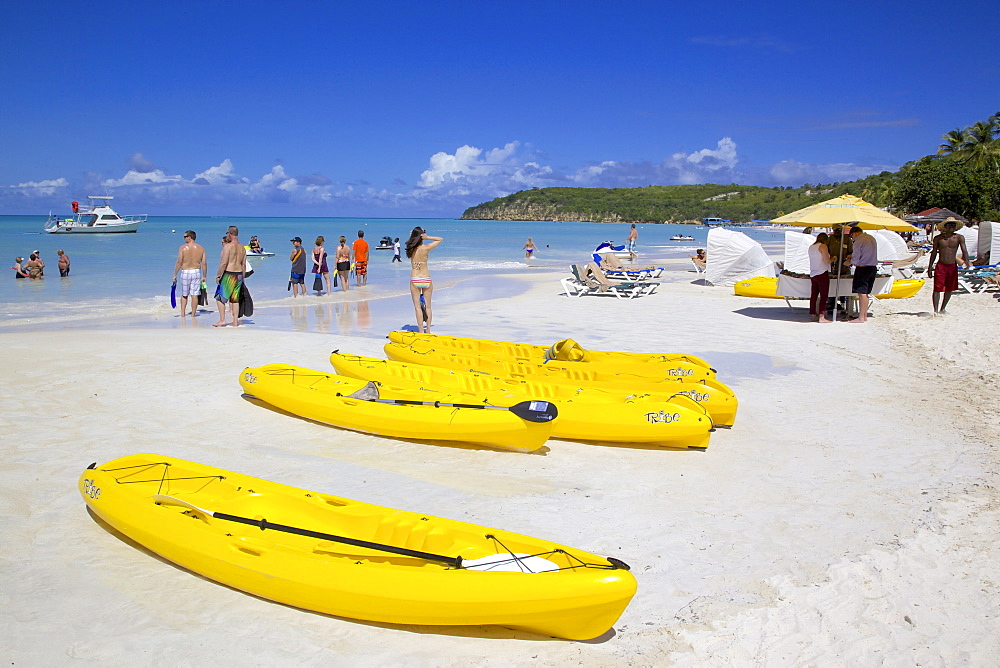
(890, 246)
(989, 241)
(797, 251)
(733, 256)
(971, 235)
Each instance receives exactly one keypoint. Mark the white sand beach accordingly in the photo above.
(848, 518)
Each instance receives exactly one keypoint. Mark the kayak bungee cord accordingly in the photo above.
(163, 478)
(613, 564)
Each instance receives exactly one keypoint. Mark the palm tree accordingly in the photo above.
(954, 141)
(981, 149)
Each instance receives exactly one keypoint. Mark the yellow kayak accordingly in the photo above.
(389, 411)
(766, 287)
(351, 559)
(566, 353)
(584, 414)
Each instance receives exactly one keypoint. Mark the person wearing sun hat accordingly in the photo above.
(945, 250)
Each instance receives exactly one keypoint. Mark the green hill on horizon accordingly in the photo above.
(655, 204)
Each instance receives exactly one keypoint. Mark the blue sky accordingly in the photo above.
(404, 109)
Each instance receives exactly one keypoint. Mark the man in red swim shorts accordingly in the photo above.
(361, 259)
(945, 250)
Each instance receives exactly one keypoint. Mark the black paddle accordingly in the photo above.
(530, 411)
(455, 562)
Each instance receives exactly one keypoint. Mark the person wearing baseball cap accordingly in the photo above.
(945, 251)
(297, 279)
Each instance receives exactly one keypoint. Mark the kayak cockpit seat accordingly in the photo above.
(367, 393)
(414, 533)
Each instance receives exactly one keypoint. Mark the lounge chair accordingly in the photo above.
(620, 289)
(699, 265)
(979, 279)
(614, 268)
(577, 284)
(904, 267)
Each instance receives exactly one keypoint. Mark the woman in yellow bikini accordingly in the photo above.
(420, 275)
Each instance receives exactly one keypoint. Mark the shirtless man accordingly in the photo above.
(945, 250)
(192, 267)
(633, 236)
(63, 263)
(232, 266)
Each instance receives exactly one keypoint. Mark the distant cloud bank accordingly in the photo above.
(450, 183)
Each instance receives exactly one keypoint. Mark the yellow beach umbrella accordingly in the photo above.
(845, 210)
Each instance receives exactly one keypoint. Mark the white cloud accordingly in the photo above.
(724, 155)
(466, 165)
(222, 174)
(792, 172)
(134, 178)
(139, 163)
(46, 188)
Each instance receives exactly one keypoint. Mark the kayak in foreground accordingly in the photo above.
(354, 404)
(341, 557)
(663, 419)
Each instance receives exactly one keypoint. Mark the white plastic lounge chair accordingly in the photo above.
(614, 268)
(904, 266)
(620, 289)
(577, 284)
(979, 279)
(699, 265)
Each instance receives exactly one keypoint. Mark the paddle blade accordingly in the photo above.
(535, 411)
(173, 295)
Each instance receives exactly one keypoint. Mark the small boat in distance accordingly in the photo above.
(385, 244)
(97, 217)
(681, 237)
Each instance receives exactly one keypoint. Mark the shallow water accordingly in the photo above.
(126, 277)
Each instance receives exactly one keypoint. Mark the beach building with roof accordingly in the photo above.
(934, 216)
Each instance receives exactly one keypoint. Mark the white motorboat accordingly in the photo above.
(681, 237)
(97, 217)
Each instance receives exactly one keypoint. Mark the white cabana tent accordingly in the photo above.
(797, 251)
(989, 241)
(733, 256)
(889, 245)
(971, 235)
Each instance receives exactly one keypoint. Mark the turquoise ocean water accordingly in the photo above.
(125, 278)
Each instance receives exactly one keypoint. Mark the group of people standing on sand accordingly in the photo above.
(34, 268)
(191, 271)
(344, 259)
(421, 286)
(835, 253)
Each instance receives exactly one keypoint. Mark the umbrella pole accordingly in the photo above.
(840, 266)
